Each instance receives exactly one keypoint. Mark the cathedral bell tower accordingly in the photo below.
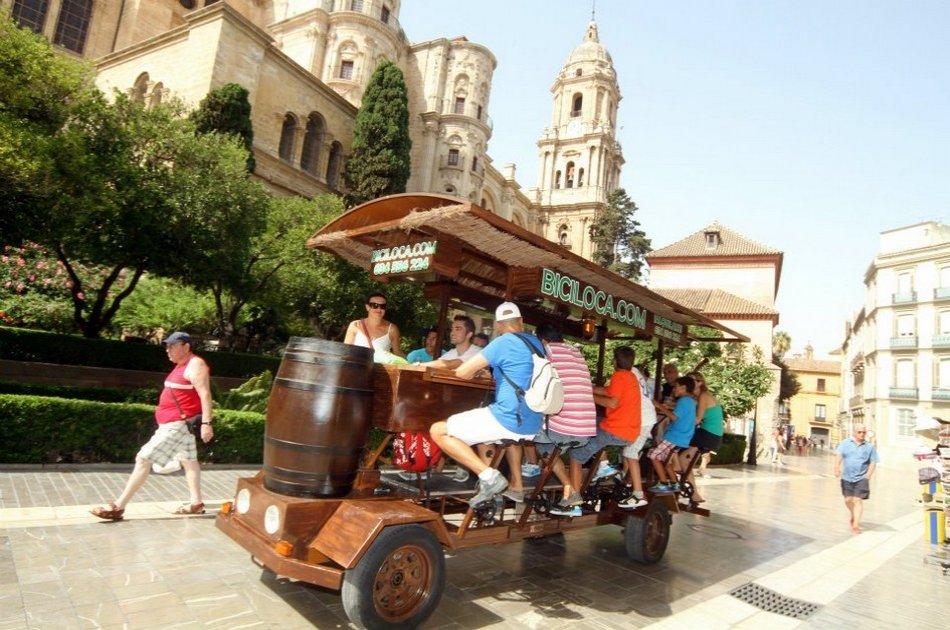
(579, 153)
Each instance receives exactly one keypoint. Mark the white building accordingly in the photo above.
(896, 364)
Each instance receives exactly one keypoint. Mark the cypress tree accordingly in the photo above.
(227, 110)
(379, 164)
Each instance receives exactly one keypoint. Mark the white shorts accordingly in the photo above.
(170, 440)
(479, 425)
(633, 450)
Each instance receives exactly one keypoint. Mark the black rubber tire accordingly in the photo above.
(398, 582)
(646, 537)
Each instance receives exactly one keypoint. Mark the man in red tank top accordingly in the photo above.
(187, 393)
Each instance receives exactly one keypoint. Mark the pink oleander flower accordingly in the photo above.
(20, 287)
(81, 295)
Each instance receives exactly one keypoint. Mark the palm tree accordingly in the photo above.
(781, 342)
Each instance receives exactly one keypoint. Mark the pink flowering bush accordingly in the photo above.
(36, 291)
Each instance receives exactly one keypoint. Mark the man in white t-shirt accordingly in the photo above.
(461, 333)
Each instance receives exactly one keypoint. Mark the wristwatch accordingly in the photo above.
(208, 423)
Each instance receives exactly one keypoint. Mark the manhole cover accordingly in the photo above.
(770, 601)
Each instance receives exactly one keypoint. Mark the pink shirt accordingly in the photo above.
(578, 417)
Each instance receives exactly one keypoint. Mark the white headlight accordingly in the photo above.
(272, 519)
(244, 501)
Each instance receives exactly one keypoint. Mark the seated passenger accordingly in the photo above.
(577, 421)
(461, 334)
(633, 451)
(508, 418)
(678, 435)
(708, 435)
(619, 427)
(429, 349)
(481, 340)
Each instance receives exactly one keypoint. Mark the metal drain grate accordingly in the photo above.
(770, 601)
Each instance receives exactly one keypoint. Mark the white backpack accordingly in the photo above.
(545, 392)
(647, 410)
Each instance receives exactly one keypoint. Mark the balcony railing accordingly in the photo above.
(942, 293)
(904, 342)
(909, 393)
(907, 297)
(941, 341)
(941, 393)
(820, 420)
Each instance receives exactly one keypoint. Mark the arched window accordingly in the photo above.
(580, 178)
(564, 235)
(313, 138)
(577, 104)
(356, 5)
(74, 16)
(30, 14)
(155, 98)
(450, 189)
(334, 164)
(579, 72)
(286, 148)
(569, 180)
(557, 179)
(140, 89)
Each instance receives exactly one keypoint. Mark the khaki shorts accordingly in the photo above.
(170, 440)
(478, 426)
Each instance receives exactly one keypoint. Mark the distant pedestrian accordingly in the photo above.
(187, 393)
(855, 463)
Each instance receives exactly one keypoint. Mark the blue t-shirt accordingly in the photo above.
(419, 355)
(509, 353)
(856, 459)
(680, 432)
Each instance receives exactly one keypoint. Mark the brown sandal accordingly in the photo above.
(111, 513)
(190, 508)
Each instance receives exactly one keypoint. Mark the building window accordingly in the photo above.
(906, 421)
(346, 69)
(944, 323)
(384, 15)
(140, 89)
(30, 14)
(188, 4)
(712, 240)
(474, 164)
(557, 179)
(459, 105)
(819, 412)
(577, 104)
(479, 112)
(453, 157)
(333, 165)
(943, 373)
(580, 177)
(821, 384)
(569, 180)
(286, 147)
(356, 5)
(905, 282)
(72, 25)
(904, 374)
(578, 72)
(312, 140)
(906, 325)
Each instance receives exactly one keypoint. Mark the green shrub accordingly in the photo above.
(731, 451)
(251, 395)
(43, 429)
(144, 395)
(33, 345)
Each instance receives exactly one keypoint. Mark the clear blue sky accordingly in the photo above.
(807, 125)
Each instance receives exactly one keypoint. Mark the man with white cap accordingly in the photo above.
(508, 418)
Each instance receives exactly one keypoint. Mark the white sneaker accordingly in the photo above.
(487, 490)
(632, 502)
(530, 470)
(605, 471)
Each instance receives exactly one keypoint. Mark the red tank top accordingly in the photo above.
(185, 392)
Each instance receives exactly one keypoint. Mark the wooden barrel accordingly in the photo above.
(318, 418)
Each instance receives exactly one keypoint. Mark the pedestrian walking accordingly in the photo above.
(187, 393)
(855, 462)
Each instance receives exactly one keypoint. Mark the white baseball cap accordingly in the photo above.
(507, 310)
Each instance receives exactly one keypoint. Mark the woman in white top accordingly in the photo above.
(374, 331)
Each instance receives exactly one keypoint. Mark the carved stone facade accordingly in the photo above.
(306, 64)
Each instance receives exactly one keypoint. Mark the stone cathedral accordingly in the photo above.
(306, 64)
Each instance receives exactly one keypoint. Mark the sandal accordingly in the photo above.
(190, 508)
(111, 513)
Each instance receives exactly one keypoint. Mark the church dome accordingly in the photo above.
(588, 52)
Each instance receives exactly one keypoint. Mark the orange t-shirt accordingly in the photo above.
(624, 419)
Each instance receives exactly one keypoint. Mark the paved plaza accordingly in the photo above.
(779, 528)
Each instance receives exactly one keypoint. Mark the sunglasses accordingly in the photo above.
(860, 432)
(376, 305)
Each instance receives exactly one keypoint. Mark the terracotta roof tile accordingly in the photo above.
(711, 302)
(801, 364)
(731, 243)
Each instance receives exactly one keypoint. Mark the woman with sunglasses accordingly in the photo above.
(709, 428)
(374, 331)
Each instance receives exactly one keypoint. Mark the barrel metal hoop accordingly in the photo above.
(300, 357)
(317, 387)
(286, 476)
(312, 448)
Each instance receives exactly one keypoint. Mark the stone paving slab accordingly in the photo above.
(785, 529)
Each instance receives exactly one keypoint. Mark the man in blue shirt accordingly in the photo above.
(855, 462)
(506, 418)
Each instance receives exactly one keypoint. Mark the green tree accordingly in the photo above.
(620, 244)
(380, 163)
(227, 109)
(781, 342)
(39, 90)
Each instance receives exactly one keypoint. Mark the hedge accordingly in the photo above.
(731, 451)
(144, 395)
(39, 429)
(18, 344)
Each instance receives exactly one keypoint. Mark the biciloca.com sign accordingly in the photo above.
(572, 291)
